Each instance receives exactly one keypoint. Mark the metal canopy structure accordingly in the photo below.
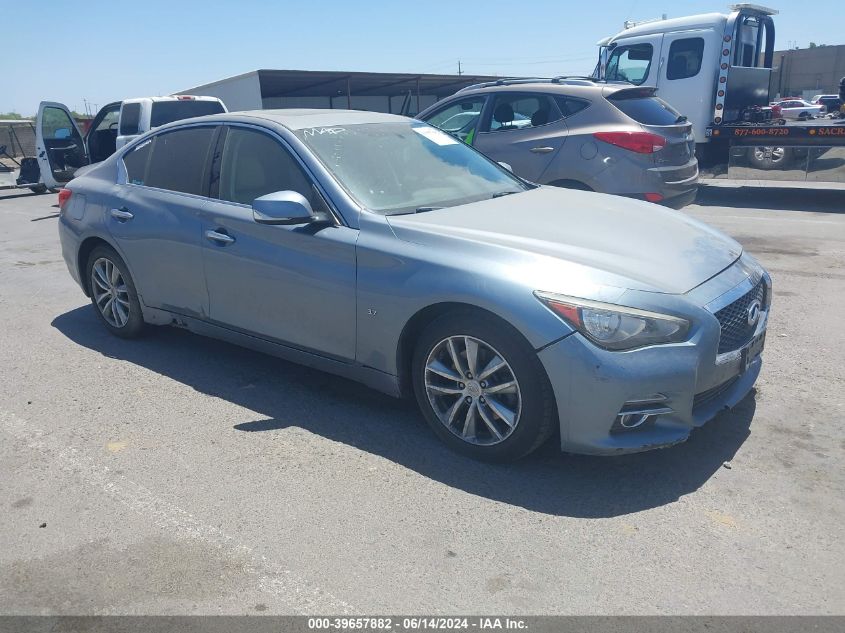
(319, 83)
(388, 92)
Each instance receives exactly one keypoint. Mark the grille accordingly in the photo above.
(706, 397)
(733, 319)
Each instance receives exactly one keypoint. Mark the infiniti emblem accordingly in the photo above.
(753, 314)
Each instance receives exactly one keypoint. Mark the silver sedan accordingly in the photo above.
(384, 250)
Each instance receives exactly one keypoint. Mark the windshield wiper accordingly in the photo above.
(681, 119)
(504, 193)
(418, 210)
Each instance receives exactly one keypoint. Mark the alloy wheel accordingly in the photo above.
(473, 390)
(111, 294)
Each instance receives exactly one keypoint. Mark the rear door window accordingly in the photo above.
(168, 111)
(630, 63)
(130, 119)
(513, 111)
(178, 161)
(647, 110)
(685, 57)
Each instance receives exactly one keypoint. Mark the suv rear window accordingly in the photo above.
(647, 110)
(169, 111)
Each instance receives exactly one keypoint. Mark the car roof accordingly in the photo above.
(293, 118)
(582, 88)
(170, 98)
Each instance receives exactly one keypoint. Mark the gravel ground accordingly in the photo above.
(176, 474)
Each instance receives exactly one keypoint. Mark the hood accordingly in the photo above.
(617, 241)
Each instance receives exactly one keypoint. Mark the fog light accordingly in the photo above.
(653, 197)
(640, 412)
(632, 420)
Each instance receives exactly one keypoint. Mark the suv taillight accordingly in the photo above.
(64, 196)
(639, 142)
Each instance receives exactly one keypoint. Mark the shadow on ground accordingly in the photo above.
(343, 411)
(774, 198)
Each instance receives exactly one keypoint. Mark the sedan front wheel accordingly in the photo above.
(481, 387)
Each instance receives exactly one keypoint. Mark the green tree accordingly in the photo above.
(13, 115)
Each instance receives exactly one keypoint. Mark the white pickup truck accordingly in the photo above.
(61, 148)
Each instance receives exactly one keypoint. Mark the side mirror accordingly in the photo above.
(506, 166)
(283, 207)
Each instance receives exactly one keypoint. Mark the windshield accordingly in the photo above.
(406, 167)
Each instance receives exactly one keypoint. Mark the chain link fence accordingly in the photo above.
(18, 137)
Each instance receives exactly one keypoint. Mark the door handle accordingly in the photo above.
(542, 150)
(220, 238)
(121, 214)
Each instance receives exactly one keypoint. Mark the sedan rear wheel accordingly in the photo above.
(481, 387)
(113, 293)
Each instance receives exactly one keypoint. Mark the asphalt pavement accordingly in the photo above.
(176, 474)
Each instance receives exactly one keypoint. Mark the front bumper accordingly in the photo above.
(690, 382)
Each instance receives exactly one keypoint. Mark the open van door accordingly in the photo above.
(59, 146)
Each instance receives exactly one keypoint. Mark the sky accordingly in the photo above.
(101, 51)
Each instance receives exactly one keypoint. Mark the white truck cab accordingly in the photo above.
(709, 67)
(61, 148)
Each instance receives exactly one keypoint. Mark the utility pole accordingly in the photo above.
(460, 72)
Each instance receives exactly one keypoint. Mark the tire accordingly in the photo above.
(769, 157)
(121, 309)
(38, 189)
(530, 402)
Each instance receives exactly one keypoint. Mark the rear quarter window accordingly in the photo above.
(136, 163)
(168, 111)
(647, 110)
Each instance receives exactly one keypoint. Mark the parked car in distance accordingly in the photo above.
(61, 147)
(798, 109)
(384, 250)
(831, 103)
(578, 134)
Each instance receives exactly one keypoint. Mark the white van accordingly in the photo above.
(61, 148)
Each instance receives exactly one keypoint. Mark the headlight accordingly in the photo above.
(616, 327)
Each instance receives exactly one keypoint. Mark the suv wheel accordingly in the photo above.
(482, 388)
(113, 293)
(768, 157)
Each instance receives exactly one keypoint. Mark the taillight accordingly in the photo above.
(64, 196)
(639, 142)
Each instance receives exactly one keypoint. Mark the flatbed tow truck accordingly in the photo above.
(715, 69)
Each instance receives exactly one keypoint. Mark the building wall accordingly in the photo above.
(808, 71)
(373, 103)
(238, 93)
